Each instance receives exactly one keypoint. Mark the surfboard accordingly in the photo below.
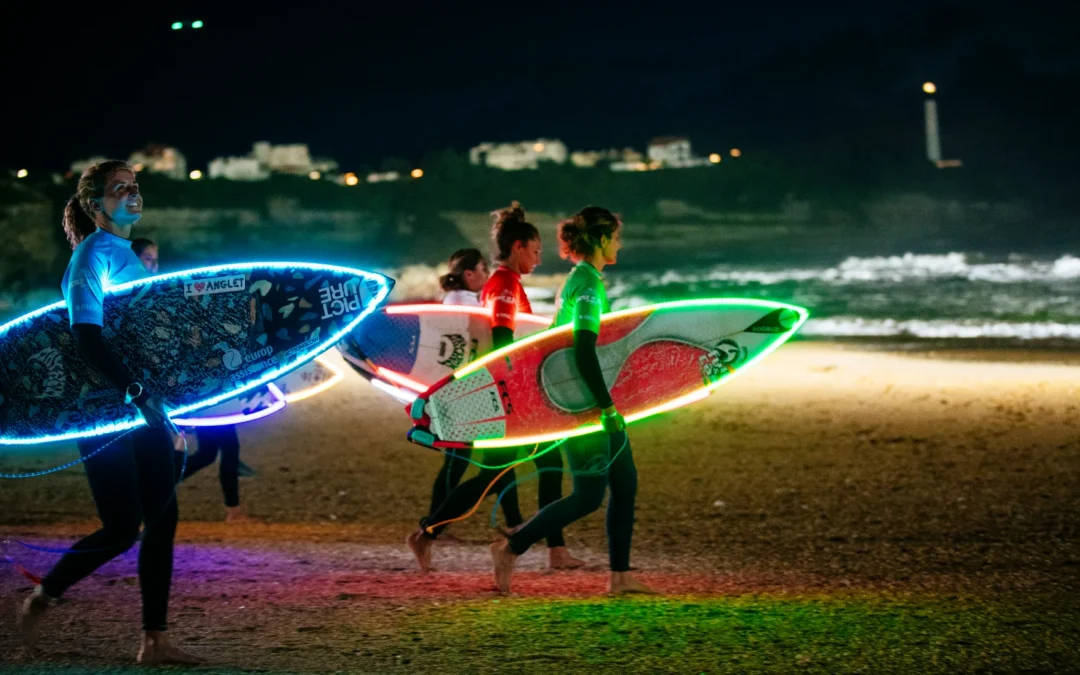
(654, 359)
(310, 379)
(412, 346)
(197, 338)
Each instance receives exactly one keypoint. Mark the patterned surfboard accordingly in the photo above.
(196, 337)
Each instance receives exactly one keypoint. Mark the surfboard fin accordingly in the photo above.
(416, 409)
(421, 437)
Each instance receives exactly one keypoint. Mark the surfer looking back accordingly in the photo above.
(518, 249)
(132, 481)
(592, 240)
(467, 275)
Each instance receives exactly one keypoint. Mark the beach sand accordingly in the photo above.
(833, 508)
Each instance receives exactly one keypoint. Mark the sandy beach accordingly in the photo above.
(834, 509)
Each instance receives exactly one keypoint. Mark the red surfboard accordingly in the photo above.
(654, 359)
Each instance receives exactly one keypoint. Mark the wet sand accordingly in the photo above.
(833, 509)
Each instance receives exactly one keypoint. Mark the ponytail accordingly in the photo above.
(78, 225)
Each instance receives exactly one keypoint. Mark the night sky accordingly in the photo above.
(360, 84)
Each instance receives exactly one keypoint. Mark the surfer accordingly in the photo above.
(462, 283)
(147, 251)
(466, 278)
(132, 482)
(211, 440)
(592, 240)
(518, 249)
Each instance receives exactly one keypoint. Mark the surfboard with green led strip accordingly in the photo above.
(654, 359)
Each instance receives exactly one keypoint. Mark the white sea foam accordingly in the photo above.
(890, 269)
(854, 326)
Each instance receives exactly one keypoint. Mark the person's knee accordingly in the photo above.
(123, 534)
(587, 497)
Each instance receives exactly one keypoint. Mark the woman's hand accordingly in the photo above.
(611, 420)
(152, 409)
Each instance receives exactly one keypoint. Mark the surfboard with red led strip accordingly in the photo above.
(654, 359)
(413, 346)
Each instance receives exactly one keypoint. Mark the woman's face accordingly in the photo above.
(527, 255)
(609, 246)
(149, 258)
(476, 277)
(122, 204)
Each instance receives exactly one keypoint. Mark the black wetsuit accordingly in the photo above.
(212, 440)
(132, 482)
(597, 461)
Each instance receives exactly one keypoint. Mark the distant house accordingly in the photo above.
(670, 149)
(673, 152)
(238, 168)
(160, 159)
(590, 158)
(518, 156)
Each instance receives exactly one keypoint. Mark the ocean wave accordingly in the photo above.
(891, 269)
(854, 326)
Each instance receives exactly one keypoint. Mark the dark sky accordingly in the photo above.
(359, 83)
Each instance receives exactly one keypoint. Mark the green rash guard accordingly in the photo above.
(582, 300)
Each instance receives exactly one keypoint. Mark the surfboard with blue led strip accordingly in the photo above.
(197, 338)
(654, 359)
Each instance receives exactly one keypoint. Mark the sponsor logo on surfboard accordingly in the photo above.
(720, 360)
(233, 359)
(229, 284)
(337, 299)
(452, 350)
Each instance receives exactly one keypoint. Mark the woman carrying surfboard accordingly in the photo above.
(598, 461)
(518, 249)
(462, 283)
(132, 482)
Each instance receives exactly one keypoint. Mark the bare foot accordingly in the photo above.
(32, 613)
(560, 559)
(156, 650)
(420, 545)
(236, 516)
(504, 560)
(624, 583)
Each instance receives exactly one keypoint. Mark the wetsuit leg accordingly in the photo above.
(549, 487)
(467, 494)
(588, 457)
(622, 478)
(205, 454)
(114, 483)
(157, 493)
(453, 468)
(229, 468)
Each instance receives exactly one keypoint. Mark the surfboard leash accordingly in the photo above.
(430, 529)
(549, 469)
